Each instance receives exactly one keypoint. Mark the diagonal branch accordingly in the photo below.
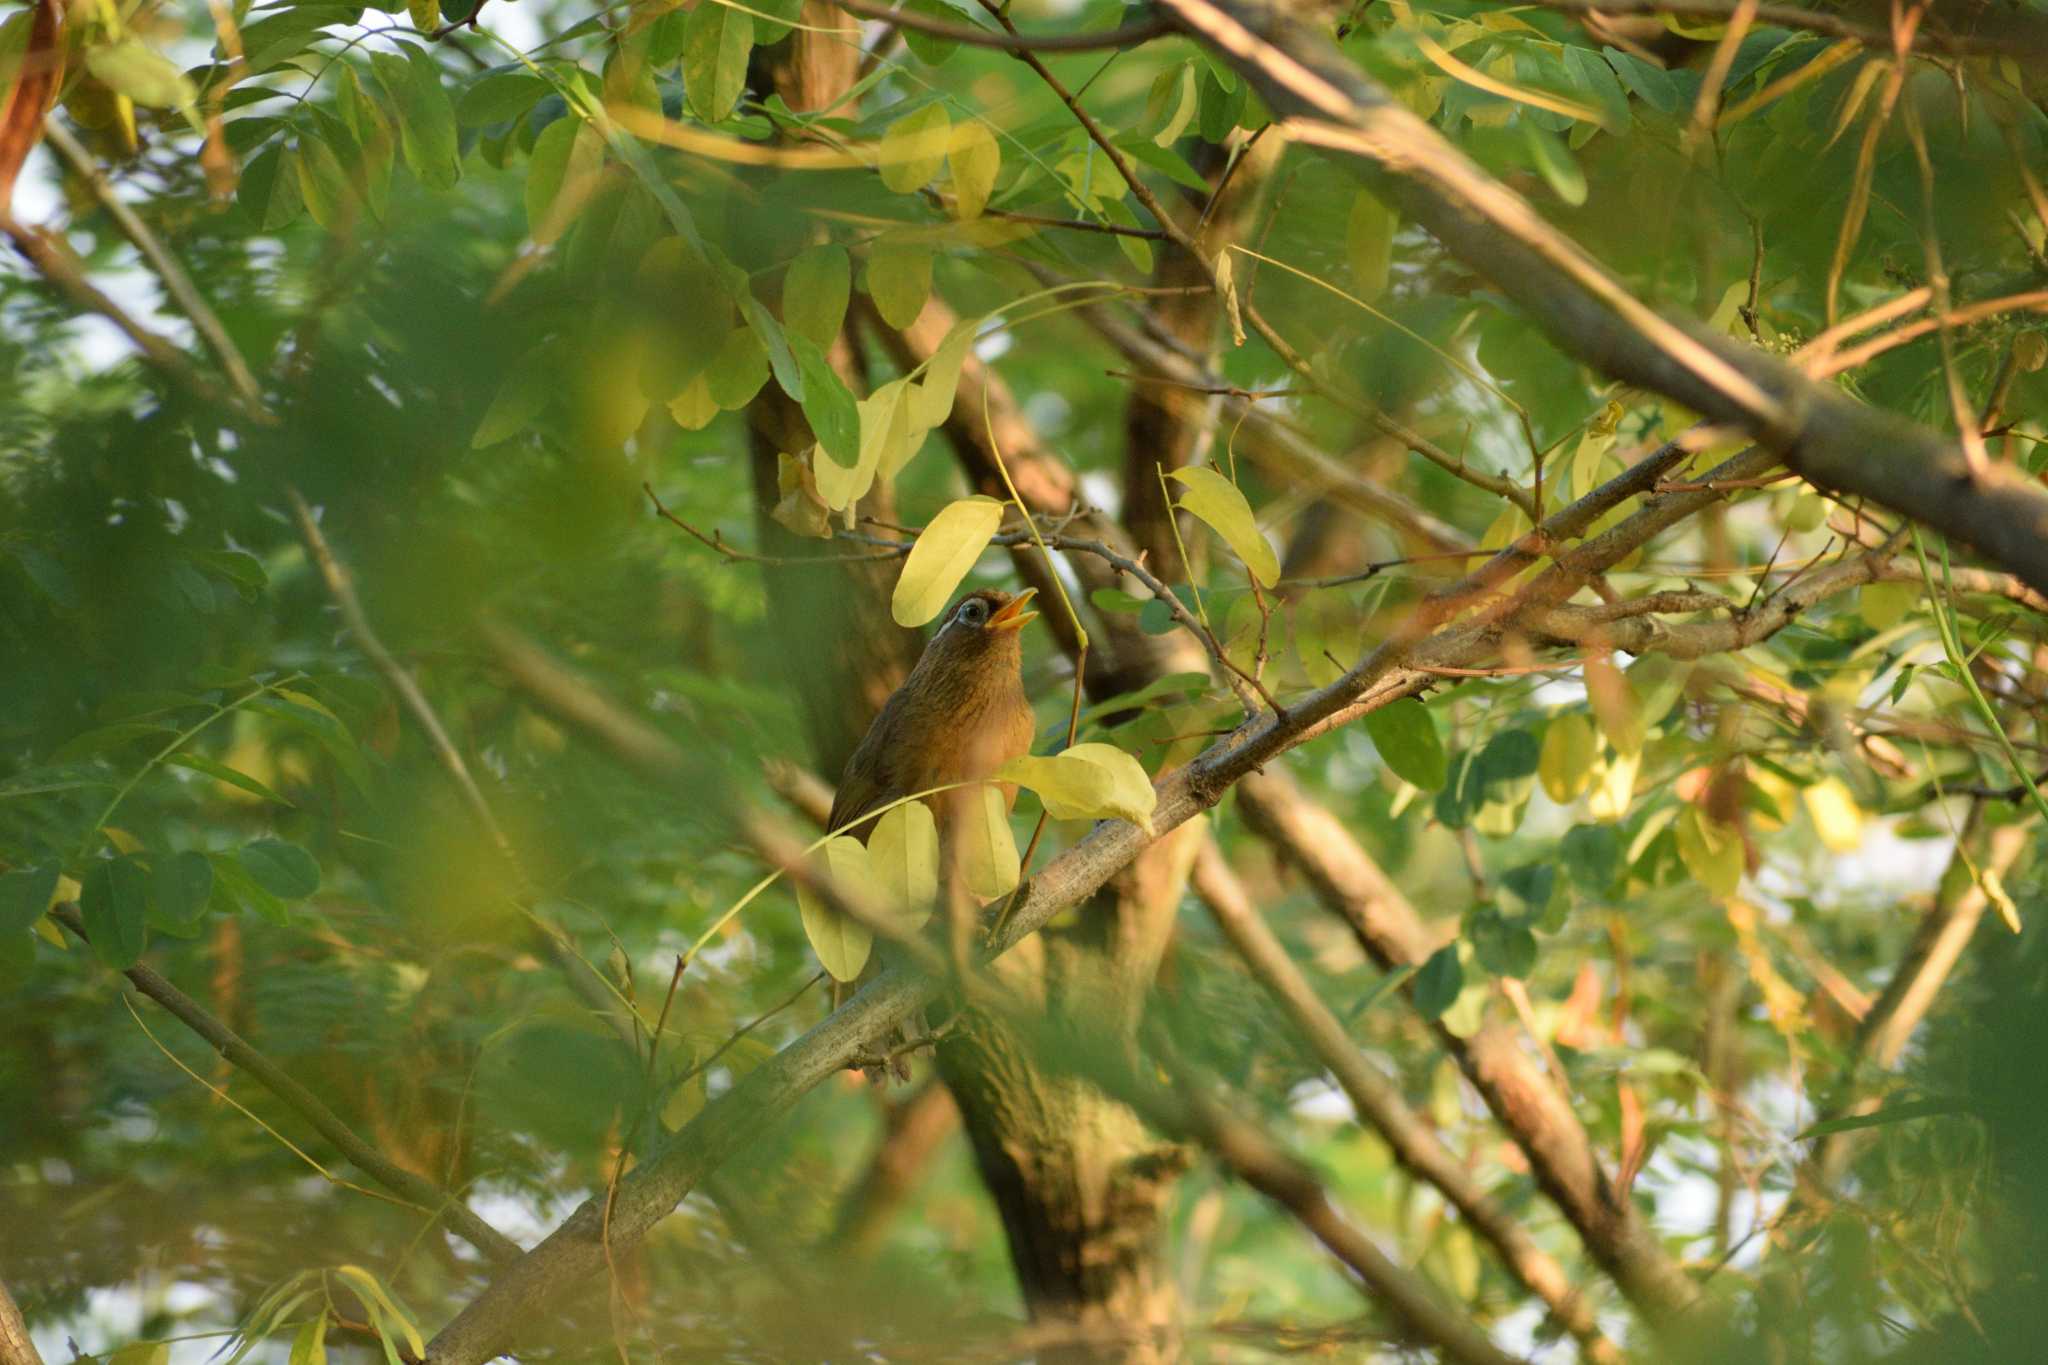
(415, 1189)
(1379, 1101)
(1323, 100)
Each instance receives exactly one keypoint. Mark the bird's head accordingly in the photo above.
(982, 629)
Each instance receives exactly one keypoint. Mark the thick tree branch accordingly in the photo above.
(967, 34)
(16, 1346)
(1322, 99)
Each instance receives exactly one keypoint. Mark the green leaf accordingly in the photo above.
(269, 192)
(50, 576)
(520, 399)
(1369, 242)
(567, 157)
(25, 896)
(931, 49)
(233, 886)
(1438, 982)
(944, 553)
(1652, 84)
(716, 42)
(1555, 163)
(180, 886)
(1592, 857)
(426, 118)
(1891, 1113)
(284, 870)
(128, 67)
(109, 737)
(1219, 504)
(324, 184)
(899, 281)
(785, 14)
(17, 959)
(245, 571)
(1565, 765)
(501, 95)
(1502, 947)
(828, 405)
(1405, 734)
(114, 897)
(815, 291)
(738, 371)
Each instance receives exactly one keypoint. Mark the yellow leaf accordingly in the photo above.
(885, 440)
(974, 158)
(1589, 461)
(1566, 764)
(931, 401)
(1088, 782)
(946, 550)
(842, 945)
(1836, 817)
(838, 484)
(1806, 511)
(988, 852)
(1184, 109)
(1615, 705)
(694, 407)
(1226, 285)
(66, 893)
(373, 1287)
(903, 850)
(1614, 786)
(913, 149)
(1217, 501)
(1884, 605)
(122, 840)
(1711, 852)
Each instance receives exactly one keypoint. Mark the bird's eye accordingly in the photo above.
(974, 612)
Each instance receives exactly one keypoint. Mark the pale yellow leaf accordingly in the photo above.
(974, 159)
(945, 551)
(1087, 782)
(913, 149)
(1712, 852)
(1369, 240)
(931, 400)
(988, 851)
(885, 443)
(842, 944)
(1884, 605)
(1614, 786)
(1993, 887)
(694, 407)
(1185, 105)
(1565, 766)
(1589, 462)
(1836, 817)
(1217, 501)
(903, 850)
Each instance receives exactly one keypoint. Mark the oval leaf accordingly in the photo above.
(903, 849)
(842, 945)
(716, 41)
(899, 281)
(1088, 782)
(913, 149)
(114, 897)
(284, 870)
(815, 290)
(1217, 501)
(1405, 734)
(1569, 748)
(988, 851)
(974, 159)
(946, 550)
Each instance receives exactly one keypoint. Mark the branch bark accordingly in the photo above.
(1322, 99)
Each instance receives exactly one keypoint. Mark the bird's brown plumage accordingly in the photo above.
(960, 715)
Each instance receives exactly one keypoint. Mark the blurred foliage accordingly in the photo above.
(483, 314)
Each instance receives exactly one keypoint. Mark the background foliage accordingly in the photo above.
(491, 281)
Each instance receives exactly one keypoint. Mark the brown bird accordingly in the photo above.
(960, 715)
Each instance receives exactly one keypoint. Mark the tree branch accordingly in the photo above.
(414, 1189)
(1322, 99)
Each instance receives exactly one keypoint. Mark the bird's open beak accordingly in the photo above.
(1013, 616)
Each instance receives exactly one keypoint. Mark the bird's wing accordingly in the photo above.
(864, 784)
